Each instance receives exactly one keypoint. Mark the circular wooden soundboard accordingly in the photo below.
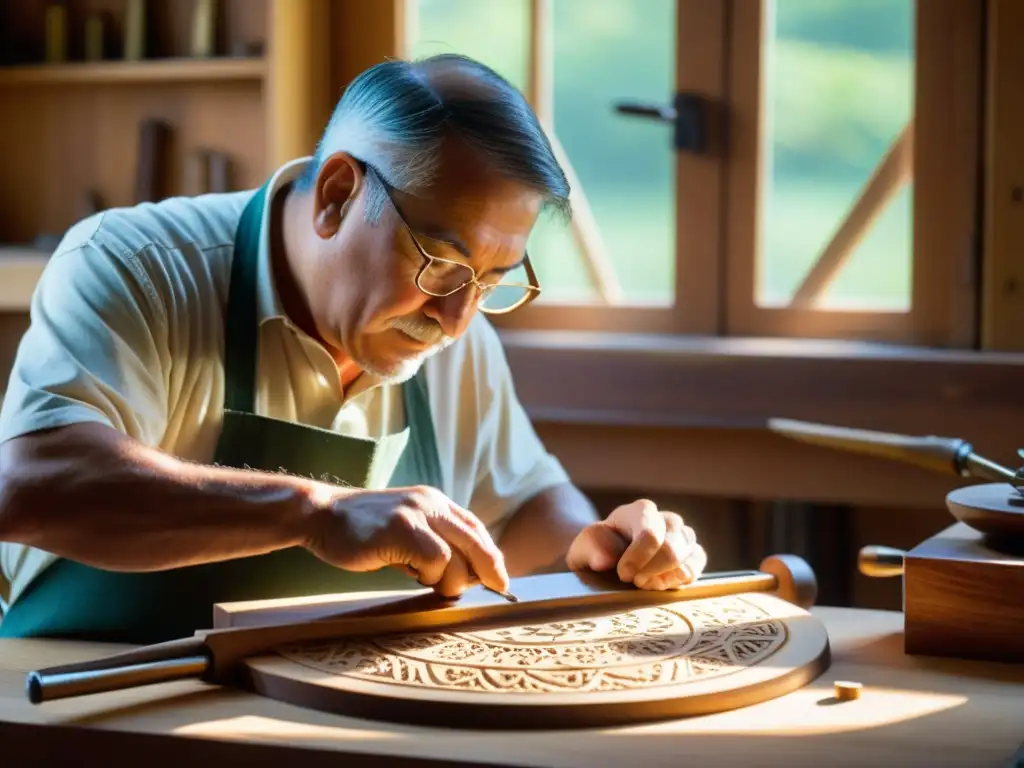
(676, 660)
(994, 509)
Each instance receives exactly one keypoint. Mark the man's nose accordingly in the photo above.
(453, 312)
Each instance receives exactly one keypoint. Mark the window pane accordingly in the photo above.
(839, 91)
(607, 51)
(496, 32)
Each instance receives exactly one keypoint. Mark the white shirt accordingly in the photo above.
(127, 329)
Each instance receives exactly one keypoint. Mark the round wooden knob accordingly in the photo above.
(796, 581)
(880, 562)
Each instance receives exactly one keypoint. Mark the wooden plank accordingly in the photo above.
(646, 380)
(733, 464)
(701, 70)
(948, 90)
(298, 78)
(133, 72)
(1003, 271)
(382, 34)
(689, 415)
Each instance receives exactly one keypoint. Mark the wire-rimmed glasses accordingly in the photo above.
(441, 277)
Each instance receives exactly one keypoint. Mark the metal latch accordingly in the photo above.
(687, 113)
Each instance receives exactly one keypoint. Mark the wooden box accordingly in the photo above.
(963, 599)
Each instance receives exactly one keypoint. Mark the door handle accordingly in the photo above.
(687, 114)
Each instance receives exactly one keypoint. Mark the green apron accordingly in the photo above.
(72, 600)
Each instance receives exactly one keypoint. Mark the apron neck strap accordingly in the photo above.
(241, 331)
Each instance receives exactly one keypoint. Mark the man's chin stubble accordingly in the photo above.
(403, 370)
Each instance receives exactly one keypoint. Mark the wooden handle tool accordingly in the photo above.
(880, 562)
(947, 455)
(214, 656)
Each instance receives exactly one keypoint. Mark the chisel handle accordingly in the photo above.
(880, 562)
(160, 663)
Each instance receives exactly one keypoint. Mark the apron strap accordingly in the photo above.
(423, 461)
(241, 333)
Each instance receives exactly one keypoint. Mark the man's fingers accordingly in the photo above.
(421, 549)
(695, 563)
(465, 534)
(686, 573)
(670, 580)
(457, 577)
(644, 526)
(679, 542)
(598, 548)
(483, 557)
(483, 536)
(631, 519)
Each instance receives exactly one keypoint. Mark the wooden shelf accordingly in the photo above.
(128, 72)
(20, 269)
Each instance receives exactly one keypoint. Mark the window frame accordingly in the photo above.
(628, 399)
(948, 81)
(701, 27)
(717, 194)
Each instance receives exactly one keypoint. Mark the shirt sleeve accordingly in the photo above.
(496, 460)
(93, 351)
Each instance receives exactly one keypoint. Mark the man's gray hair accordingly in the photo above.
(395, 115)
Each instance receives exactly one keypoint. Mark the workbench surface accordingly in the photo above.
(913, 711)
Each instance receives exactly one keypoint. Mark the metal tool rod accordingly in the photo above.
(985, 469)
(41, 686)
(937, 454)
(507, 595)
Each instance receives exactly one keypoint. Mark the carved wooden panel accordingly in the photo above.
(651, 662)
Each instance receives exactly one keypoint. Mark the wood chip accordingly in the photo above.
(847, 690)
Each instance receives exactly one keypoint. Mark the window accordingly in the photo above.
(805, 213)
(836, 155)
(621, 248)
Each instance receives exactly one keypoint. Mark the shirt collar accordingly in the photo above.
(268, 301)
(269, 306)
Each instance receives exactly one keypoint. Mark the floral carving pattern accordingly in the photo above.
(660, 646)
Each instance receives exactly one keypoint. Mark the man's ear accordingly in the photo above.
(338, 182)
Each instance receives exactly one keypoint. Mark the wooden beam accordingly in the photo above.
(634, 410)
(298, 77)
(948, 90)
(742, 464)
(365, 34)
(540, 85)
(1003, 264)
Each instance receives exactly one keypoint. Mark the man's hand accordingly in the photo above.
(419, 530)
(652, 549)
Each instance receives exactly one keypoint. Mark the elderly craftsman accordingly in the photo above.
(291, 391)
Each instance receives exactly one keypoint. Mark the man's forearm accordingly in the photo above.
(537, 538)
(88, 493)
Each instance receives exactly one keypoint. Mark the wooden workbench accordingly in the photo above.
(913, 711)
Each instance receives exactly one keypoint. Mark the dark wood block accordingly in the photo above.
(151, 180)
(963, 599)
